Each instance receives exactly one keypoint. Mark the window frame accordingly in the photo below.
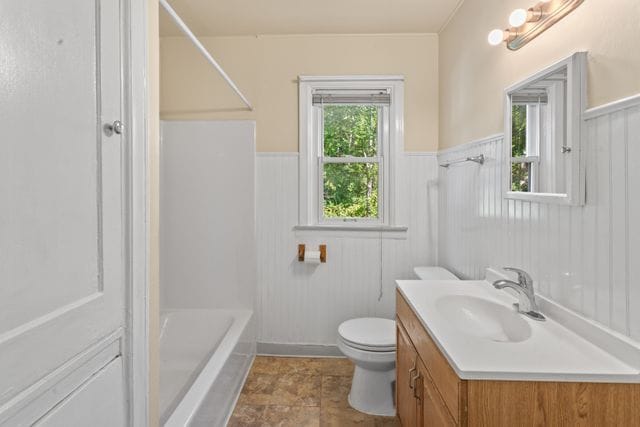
(381, 158)
(311, 147)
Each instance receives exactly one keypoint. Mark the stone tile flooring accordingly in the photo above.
(300, 392)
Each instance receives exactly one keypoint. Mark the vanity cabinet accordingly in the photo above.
(406, 372)
(429, 392)
(432, 411)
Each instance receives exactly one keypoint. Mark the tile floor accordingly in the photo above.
(300, 392)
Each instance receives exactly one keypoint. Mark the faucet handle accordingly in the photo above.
(523, 277)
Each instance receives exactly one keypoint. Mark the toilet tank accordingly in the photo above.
(434, 273)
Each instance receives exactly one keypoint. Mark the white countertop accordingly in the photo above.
(551, 353)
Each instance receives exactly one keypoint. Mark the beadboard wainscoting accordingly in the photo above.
(301, 305)
(586, 258)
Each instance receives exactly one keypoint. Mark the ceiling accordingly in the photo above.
(251, 17)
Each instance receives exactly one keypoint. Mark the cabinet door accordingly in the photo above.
(406, 368)
(432, 409)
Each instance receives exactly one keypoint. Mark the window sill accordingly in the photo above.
(360, 231)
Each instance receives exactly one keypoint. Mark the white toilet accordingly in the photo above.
(370, 343)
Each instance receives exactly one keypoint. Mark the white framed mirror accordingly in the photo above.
(543, 131)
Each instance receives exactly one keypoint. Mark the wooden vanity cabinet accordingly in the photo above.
(429, 393)
(432, 411)
(419, 402)
(406, 369)
(438, 396)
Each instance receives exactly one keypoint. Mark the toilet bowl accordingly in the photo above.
(370, 343)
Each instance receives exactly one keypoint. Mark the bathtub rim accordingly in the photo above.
(192, 399)
(166, 321)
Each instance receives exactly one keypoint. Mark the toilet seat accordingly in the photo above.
(369, 334)
(370, 348)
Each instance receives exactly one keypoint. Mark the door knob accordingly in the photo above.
(115, 127)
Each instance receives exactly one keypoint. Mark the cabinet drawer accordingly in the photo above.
(451, 388)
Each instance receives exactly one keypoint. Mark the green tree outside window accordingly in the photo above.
(351, 189)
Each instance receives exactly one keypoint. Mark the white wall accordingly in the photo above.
(304, 304)
(207, 214)
(585, 258)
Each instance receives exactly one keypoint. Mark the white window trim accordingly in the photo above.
(309, 185)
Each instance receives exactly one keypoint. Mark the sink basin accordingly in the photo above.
(484, 319)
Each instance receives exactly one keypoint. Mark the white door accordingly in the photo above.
(62, 258)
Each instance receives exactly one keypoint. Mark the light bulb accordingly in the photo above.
(495, 37)
(518, 18)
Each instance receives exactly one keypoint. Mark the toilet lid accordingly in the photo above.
(370, 332)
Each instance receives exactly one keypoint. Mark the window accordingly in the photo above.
(350, 130)
(350, 162)
(525, 139)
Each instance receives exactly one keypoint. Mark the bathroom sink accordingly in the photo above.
(483, 319)
(481, 335)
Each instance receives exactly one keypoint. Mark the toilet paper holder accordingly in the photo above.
(321, 248)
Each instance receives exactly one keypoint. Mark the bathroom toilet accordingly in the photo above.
(370, 343)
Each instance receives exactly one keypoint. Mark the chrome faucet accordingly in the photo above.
(526, 296)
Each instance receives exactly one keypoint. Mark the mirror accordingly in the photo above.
(538, 113)
(542, 134)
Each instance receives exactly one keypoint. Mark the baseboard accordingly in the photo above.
(298, 350)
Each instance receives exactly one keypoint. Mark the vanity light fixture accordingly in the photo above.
(519, 17)
(527, 24)
(498, 36)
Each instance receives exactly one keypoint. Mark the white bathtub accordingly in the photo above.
(204, 358)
